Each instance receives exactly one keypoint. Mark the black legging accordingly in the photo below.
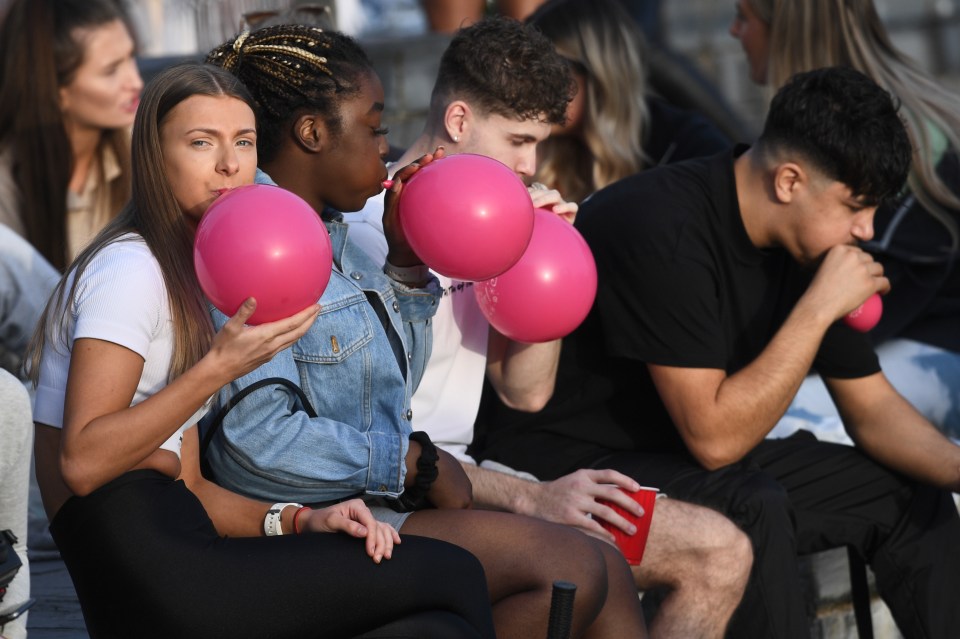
(147, 562)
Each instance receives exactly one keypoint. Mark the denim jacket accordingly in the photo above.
(358, 365)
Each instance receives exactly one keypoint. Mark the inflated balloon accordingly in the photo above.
(865, 317)
(263, 242)
(467, 216)
(549, 291)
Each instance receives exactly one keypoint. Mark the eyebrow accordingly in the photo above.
(217, 131)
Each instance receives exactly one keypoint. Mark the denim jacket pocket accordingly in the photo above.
(344, 322)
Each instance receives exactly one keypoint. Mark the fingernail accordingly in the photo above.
(632, 530)
(387, 184)
(441, 148)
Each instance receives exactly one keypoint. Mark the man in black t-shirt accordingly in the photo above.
(720, 285)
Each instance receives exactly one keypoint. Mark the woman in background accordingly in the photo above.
(614, 127)
(69, 89)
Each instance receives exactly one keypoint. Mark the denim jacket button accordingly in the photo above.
(383, 488)
(409, 415)
(396, 305)
(357, 275)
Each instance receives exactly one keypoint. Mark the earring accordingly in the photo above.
(456, 138)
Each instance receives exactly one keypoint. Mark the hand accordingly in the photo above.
(550, 199)
(847, 276)
(452, 489)
(572, 500)
(354, 518)
(238, 349)
(399, 252)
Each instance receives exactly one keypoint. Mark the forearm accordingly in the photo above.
(890, 430)
(97, 450)
(522, 374)
(748, 404)
(499, 491)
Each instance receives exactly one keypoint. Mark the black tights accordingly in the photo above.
(147, 562)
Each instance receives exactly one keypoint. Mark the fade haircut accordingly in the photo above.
(503, 67)
(846, 126)
(291, 70)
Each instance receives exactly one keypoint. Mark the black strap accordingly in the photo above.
(217, 421)
(860, 594)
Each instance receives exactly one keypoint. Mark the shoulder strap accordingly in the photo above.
(217, 421)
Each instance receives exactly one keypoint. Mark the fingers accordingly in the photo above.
(610, 476)
(243, 313)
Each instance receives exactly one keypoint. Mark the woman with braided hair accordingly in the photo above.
(321, 136)
(125, 360)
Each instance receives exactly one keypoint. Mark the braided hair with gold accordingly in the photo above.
(292, 69)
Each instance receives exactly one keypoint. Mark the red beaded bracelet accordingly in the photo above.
(296, 518)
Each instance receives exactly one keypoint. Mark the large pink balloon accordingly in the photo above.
(467, 216)
(546, 294)
(264, 242)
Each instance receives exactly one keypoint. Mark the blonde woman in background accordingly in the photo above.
(614, 127)
(916, 236)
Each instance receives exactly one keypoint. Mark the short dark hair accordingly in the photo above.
(846, 125)
(291, 69)
(505, 67)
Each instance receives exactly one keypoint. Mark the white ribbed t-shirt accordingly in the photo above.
(121, 298)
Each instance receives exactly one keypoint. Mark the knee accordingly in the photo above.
(730, 559)
(761, 505)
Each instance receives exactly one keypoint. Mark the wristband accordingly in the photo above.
(406, 274)
(415, 497)
(296, 519)
(271, 521)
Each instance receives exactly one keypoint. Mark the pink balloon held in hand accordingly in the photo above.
(865, 317)
(467, 216)
(263, 242)
(549, 291)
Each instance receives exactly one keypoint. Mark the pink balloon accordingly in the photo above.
(264, 242)
(467, 216)
(865, 317)
(546, 294)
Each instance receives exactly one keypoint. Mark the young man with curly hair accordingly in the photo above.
(499, 89)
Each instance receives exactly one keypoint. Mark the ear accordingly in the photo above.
(310, 132)
(456, 120)
(789, 180)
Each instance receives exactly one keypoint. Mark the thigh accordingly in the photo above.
(147, 562)
(517, 552)
(839, 495)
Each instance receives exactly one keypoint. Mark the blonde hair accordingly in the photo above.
(809, 34)
(154, 213)
(600, 40)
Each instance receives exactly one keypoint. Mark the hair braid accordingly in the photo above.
(290, 69)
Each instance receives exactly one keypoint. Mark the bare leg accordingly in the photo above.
(522, 558)
(704, 562)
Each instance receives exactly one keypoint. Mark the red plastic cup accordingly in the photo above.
(632, 546)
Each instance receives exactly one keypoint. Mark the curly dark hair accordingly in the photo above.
(846, 125)
(290, 70)
(507, 68)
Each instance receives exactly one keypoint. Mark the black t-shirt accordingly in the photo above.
(679, 284)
